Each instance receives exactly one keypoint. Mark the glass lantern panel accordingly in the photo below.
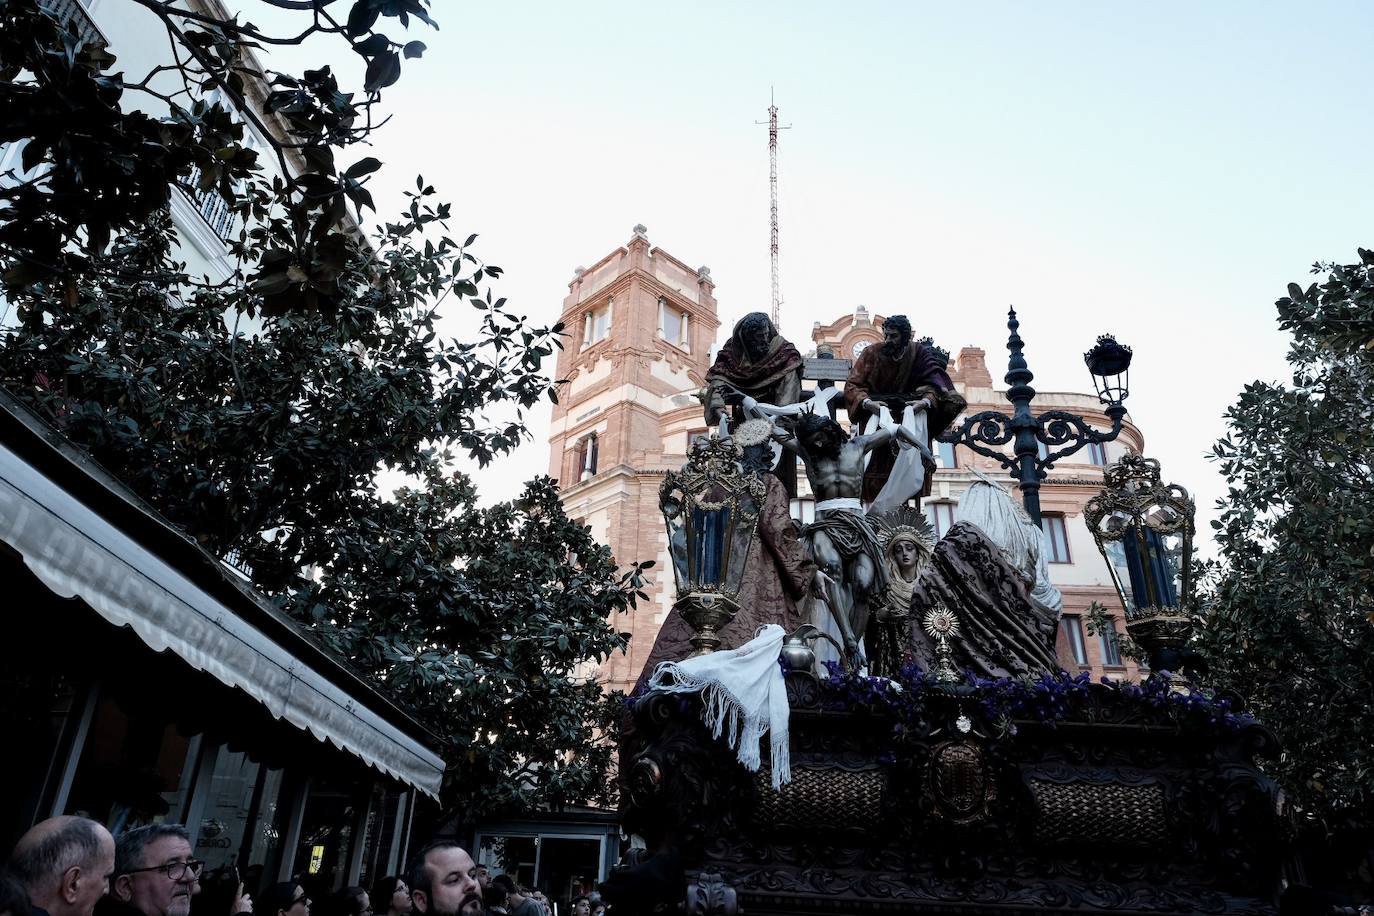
(677, 537)
(1114, 523)
(741, 541)
(1153, 575)
(709, 527)
(1121, 576)
(1171, 562)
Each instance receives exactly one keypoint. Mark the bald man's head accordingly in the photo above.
(65, 864)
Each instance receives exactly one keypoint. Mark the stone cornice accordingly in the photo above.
(697, 310)
(585, 488)
(690, 271)
(620, 252)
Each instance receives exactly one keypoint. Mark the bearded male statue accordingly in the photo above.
(898, 372)
(756, 362)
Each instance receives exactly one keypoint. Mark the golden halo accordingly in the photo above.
(905, 522)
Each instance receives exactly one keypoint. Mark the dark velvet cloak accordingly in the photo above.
(759, 379)
(1000, 628)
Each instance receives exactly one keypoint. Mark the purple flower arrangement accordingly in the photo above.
(1005, 702)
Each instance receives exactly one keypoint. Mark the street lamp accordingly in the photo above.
(1110, 365)
(1144, 527)
(1062, 433)
(711, 507)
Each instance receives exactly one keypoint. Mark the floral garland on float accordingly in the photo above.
(1007, 704)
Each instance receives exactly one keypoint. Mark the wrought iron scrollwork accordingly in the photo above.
(991, 427)
(1053, 428)
(1055, 434)
(1058, 427)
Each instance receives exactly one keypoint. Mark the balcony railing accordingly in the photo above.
(210, 204)
(212, 207)
(74, 12)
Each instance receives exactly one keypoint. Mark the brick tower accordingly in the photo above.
(641, 325)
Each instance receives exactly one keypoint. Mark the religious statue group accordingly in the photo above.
(867, 569)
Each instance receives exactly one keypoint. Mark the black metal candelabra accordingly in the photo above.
(1062, 433)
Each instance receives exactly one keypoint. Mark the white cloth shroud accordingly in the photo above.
(987, 504)
(742, 695)
(908, 475)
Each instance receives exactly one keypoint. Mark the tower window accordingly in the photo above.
(587, 454)
(1111, 647)
(597, 325)
(945, 456)
(1097, 454)
(673, 324)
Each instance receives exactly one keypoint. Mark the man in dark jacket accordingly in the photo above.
(155, 871)
(64, 864)
(517, 903)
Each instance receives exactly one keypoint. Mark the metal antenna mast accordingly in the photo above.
(773, 129)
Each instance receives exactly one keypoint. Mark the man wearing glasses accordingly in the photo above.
(155, 873)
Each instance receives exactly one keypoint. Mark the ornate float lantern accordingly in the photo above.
(1144, 529)
(711, 507)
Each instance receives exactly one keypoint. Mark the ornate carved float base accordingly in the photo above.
(1113, 808)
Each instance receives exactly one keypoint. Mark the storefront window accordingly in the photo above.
(134, 770)
(569, 867)
(326, 839)
(37, 707)
(380, 855)
(239, 832)
(269, 825)
(564, 867)
(510, 855)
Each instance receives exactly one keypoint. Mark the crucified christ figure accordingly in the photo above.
(844, 542)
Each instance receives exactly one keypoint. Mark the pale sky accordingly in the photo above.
(1159, 171)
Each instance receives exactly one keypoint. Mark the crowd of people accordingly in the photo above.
(73, 866)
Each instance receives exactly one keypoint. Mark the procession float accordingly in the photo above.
(851, 716)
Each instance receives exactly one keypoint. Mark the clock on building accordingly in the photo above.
(859, 347)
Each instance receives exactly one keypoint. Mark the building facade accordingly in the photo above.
(203, 220)
(644, 327)
(643, 324)
(170, 690)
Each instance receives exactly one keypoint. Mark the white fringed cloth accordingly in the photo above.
(742, 695)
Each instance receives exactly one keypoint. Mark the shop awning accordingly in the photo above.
(77, 553)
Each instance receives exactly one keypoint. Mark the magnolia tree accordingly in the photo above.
(1290, 606)
(268, 445)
